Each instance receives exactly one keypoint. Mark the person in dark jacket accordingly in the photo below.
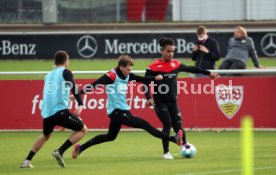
(206, 50)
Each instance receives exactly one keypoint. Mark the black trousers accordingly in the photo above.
(170, 116)
(122, 117)
(232, 64)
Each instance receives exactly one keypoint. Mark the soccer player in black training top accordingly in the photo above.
(165, 104)
(116, 82)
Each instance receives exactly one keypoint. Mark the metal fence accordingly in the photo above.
(68, 11)
(259, 72)
(102, 11)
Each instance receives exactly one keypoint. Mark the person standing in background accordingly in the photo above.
(205, 52)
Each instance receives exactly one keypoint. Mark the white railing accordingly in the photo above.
(247, 71)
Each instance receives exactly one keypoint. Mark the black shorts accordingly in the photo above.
(62, 118)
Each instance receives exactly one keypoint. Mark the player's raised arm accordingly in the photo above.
(107, 78)
(193, 69)
(146, 79)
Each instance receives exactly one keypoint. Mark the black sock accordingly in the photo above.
(65, 146)
(30, 155)
(184, 138)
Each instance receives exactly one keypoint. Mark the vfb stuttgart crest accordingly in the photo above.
(229, 99)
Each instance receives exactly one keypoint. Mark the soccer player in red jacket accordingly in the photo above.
(165, 104)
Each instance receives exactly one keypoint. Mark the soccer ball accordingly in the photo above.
(188, 150)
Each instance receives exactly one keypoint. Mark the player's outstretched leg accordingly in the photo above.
(113, 130)
(36, 147)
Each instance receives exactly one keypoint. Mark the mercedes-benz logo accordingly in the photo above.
(268, 44)
(87, 46)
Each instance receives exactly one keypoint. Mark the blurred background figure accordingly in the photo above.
(206, 51)
(240, 47)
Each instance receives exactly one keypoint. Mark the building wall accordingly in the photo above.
(223, 10)
(103, 11)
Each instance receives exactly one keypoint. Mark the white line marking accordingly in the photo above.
(126, 155)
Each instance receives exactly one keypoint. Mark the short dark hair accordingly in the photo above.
(201, 30)
(125, 60)
(61, 57)
(163, 42)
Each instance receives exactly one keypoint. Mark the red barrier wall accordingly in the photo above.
(20, 101)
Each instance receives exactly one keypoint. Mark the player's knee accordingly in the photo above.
(167, 129)
(84, 129)
(111, 137)
(46, 137)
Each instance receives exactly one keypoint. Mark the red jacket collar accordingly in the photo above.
(160, 66)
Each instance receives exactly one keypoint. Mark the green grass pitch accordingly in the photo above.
(138, 153)
(87, 65)
(133, 153)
